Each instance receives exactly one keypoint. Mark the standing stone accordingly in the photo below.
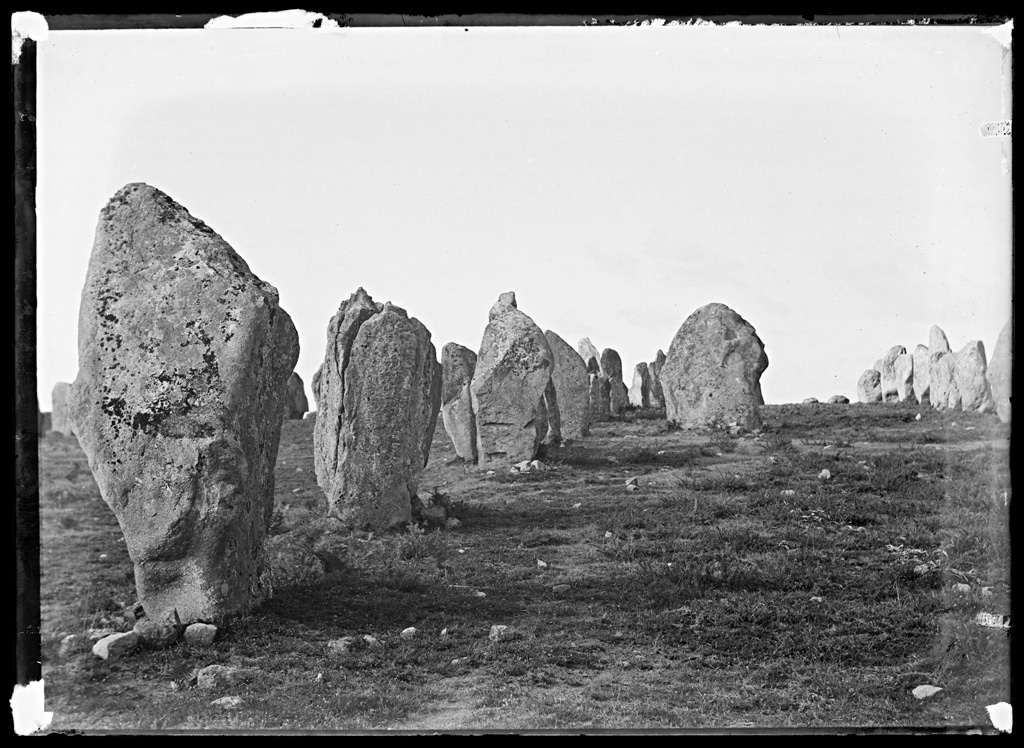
(922, 382)
(295, 404)
(970, 369)
(458, 364)
(183, 359)
(1000, 372)
(937, 342)
(60, 418)
(904, 371)
(878, 366)
(315, 384)
(588, 351)
(600, 400)
(713, 370)
(512, 374)
(654, 370)
(45, 423)
(572, 385)
(618, 393)
(553, 415)
(890, 391)
(640, 390)
(943, 393)
(380, 393)
(869, 387)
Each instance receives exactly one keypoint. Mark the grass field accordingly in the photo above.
(735, 588)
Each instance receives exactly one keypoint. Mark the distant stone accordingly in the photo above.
(810, 400)
(184, 355)
(508, 389)
(380, 394)
(825, 474)
(632, 487)
(937, 342)
(839, 400)
(600, 398)
(904, 371)
(713, 371)
(654, 370)
(640, 389)
(408, 633)
(922, 381)
(632, 481)
(458, 364)
(155, 635)
(971, 382)
(869, 387)
(45, 423)
(200, 634)
(560, 589)
(115, 646)
(295, 403)
(572, 386)
(943, 391)
(372, 642)
(552, 413)
(588, 351)
(924, 692)
(452, 523)
(618, 393)
(1000, 372)
(60, 415)
(343, 645)
(890, 391)
(315, 384)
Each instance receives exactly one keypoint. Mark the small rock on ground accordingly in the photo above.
(200, 634)
(116, 645)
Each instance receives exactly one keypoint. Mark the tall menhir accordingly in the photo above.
(184, 355)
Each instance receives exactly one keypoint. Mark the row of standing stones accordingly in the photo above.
(186, 371)
(963, 380)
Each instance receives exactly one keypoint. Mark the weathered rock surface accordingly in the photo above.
(869, 387)
(380, 393)
(1000, 372)
(890, 391)
(903, 368)
(587, 351)
(640, 388)
(295, 404)
(654, 370)
(713, 370)
(200, 634)
(45, 423)
(513, 370)
(839, 400)
(458, 364)
(155, 635)
(60, 416)
(943, 391)
(183, 359)
(922, 382)
(572, 386)
(970, 369)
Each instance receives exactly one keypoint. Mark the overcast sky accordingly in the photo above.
(831, 185)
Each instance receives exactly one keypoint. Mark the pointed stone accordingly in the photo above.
(640, 389)
(922, 382)
(1000, 372)
(458, 364)
(572, 385)
(295, 405)
(971, 367)
(890, 391)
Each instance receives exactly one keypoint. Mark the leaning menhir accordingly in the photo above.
(380, 392)
(713, 371)
(510, 386)
(654, 370)
(458, 364)
(572, 385)
(618, 393)
(183, 359)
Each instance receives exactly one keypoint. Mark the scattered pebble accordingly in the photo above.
(541, 564)
(490, 472)
(632, 487)
(460, 660)
(825, 474)
(789, 492)
(372, 642)
(817, 599)
(478, 593)
(200, 634)
(69, 644)
(987, 592)
(216, 676)
(444, 632)
(299, 470)
(577, 505)
(560, 588)
(409, 633)
(342, 645)
(924, 692)
(607, 534)
(452, 522)
(963, 589)
(103, 557)
(296, 490)
(116, 645)
(632, 482)
(917, 417)
(228, 702)
(500, 633)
